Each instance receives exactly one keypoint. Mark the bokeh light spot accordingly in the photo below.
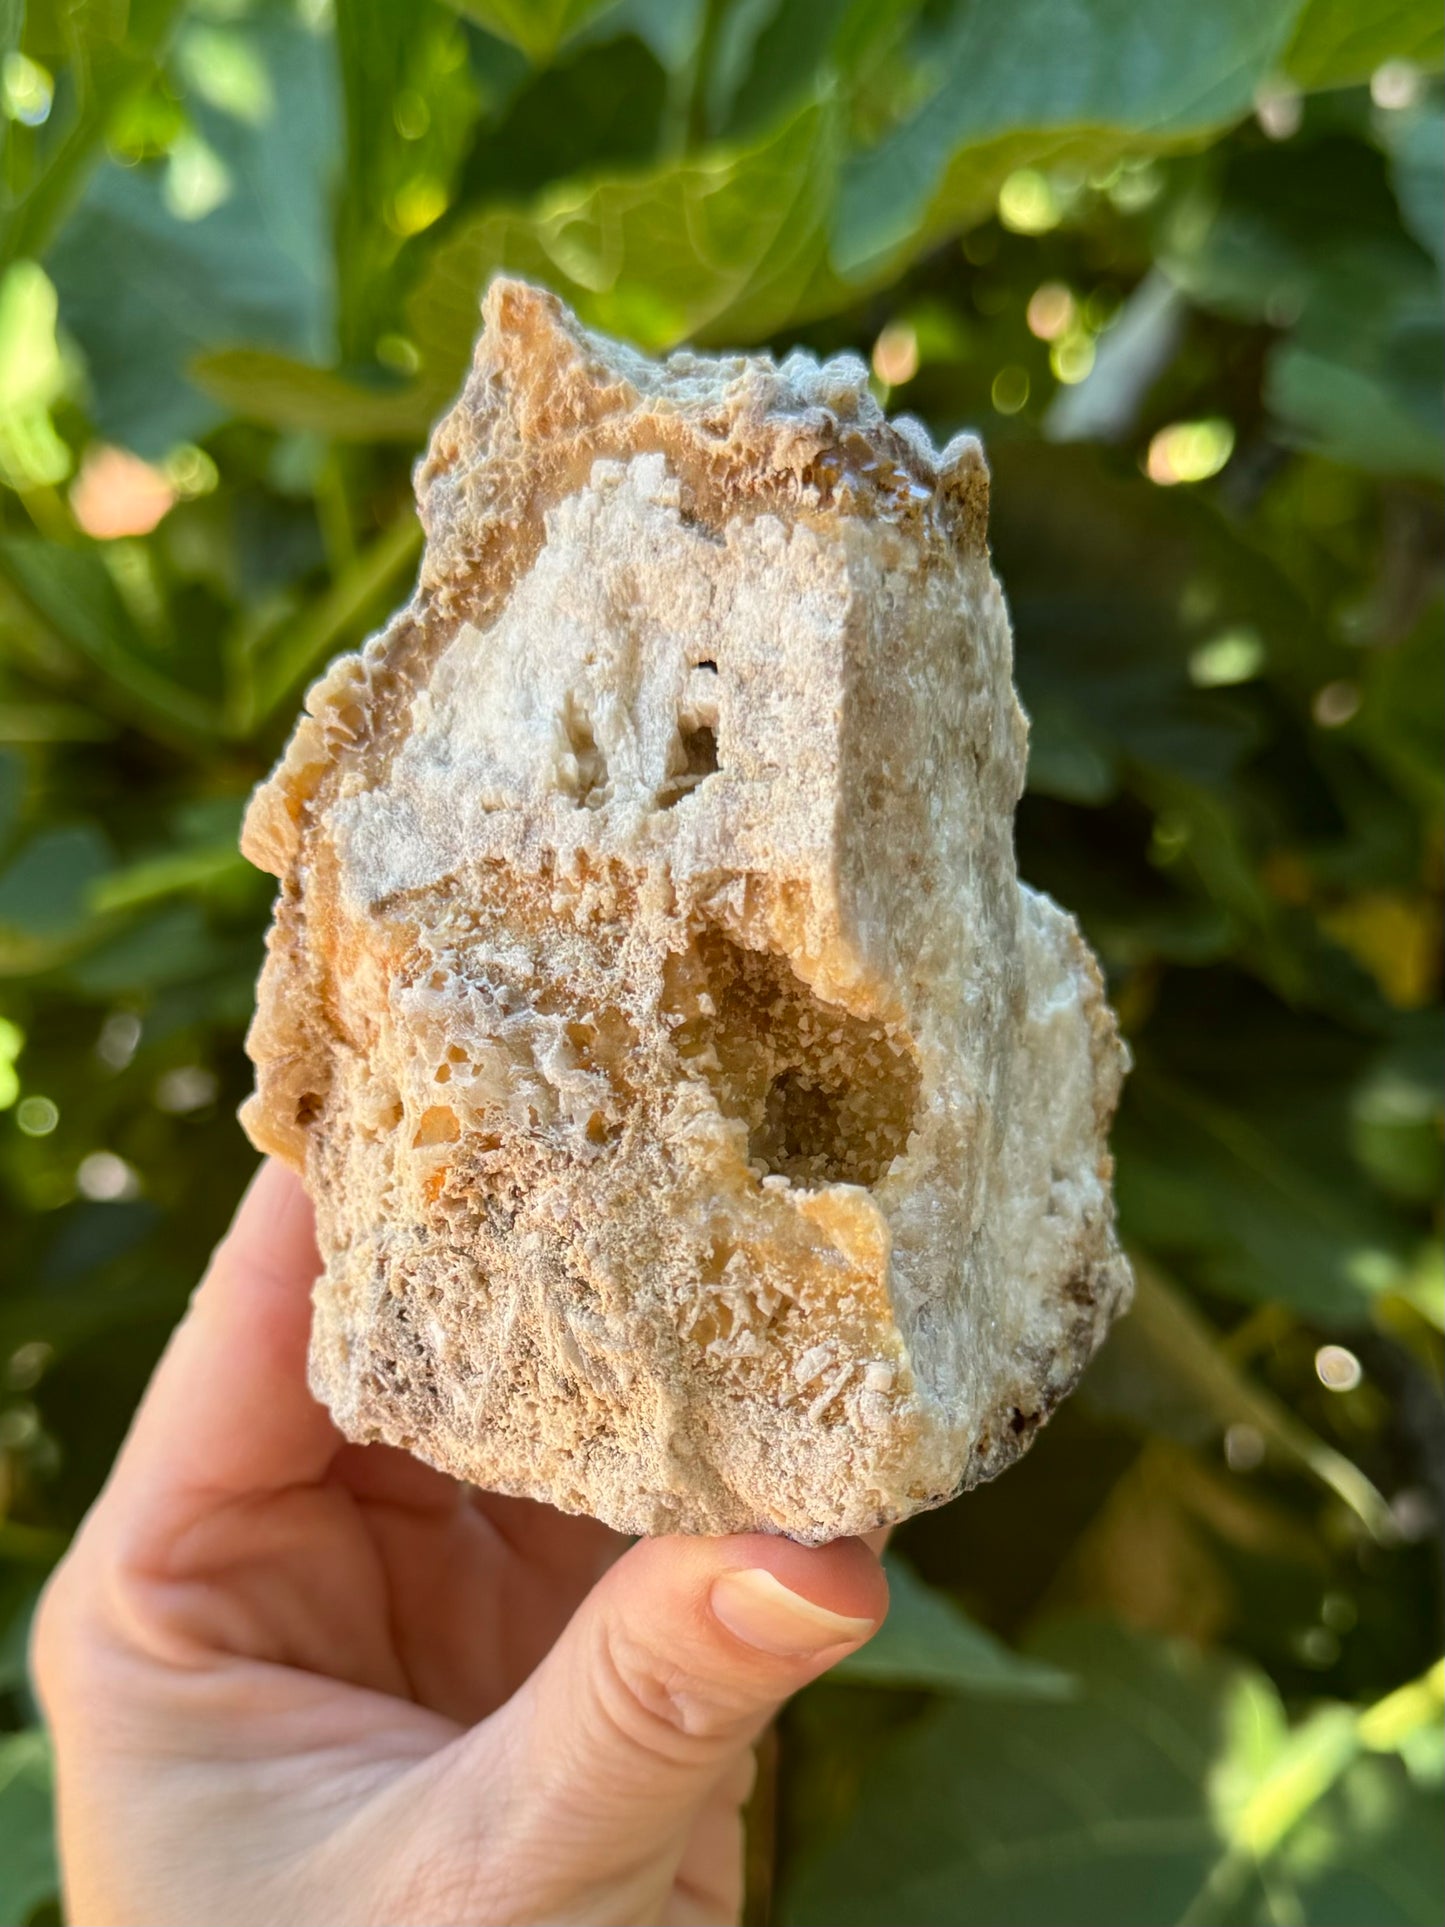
(1233, 656)
(37, 1116)
(1395, 85)
(106, 1179)
(895, 354)
(1010, 389)
(1028, 204)
(117, 494)
(1051, 311)
(1189, 452)
(1336, 704)
(1337, 1368)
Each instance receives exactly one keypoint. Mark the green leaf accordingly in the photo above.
(285, 661)
(45, 889)
(33, 377)
(1339, 42)
(99, 53)
(27, 1850)
(1167, 1369)
(538, 27)
(1417, 152)
(1233, 1154)
(930, 1643)
(410, 100)
(1367, 416)
(12, 793)
(1043, 81)
(1403, 715)
(1095, 562)
(148, 281)
(258, 385)
(670, 30)
(171, 946)
(1171, 1790)
(75, 593)
(724, 245)
(52, 723)
(173, 874)
(1309, 234)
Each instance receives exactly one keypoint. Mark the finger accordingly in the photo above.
(228, 1414)
(668, 1670)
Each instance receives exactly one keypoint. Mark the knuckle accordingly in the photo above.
(664, 1707)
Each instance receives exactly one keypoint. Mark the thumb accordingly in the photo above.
(669, 1669)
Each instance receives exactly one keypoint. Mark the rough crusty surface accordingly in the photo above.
(706, 1128)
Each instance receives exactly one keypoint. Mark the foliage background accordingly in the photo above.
(1181, 264)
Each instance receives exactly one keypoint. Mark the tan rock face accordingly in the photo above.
(707, 1130)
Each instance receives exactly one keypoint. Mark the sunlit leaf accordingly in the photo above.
(1171, 1790)
(722, 246)
(1339, 41)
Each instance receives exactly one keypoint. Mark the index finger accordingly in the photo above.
(228, 1414)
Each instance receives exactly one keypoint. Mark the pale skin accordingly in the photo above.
(296, 1681)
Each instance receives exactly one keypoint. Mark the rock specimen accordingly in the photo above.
(707, 1130)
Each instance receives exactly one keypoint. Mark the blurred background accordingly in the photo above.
(1180, 265)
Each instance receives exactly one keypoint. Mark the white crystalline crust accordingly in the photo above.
(707, 1130)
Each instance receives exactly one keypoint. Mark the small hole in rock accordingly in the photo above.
(699, 761)
(308, 1109)
(828, 1097)
(582, 772)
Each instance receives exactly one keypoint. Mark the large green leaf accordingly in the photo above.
(1047, 80)
(1338, 42)
(1170, 1791)
(928, 1642)
(724, 245)
(28, 1872)
(146, 283)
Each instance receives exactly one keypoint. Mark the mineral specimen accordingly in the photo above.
(706, 1128)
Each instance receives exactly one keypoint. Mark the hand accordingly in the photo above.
(297, 1681)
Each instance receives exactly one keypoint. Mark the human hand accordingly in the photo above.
(298, 1681)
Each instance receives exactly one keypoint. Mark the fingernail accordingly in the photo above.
(759, 1610)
